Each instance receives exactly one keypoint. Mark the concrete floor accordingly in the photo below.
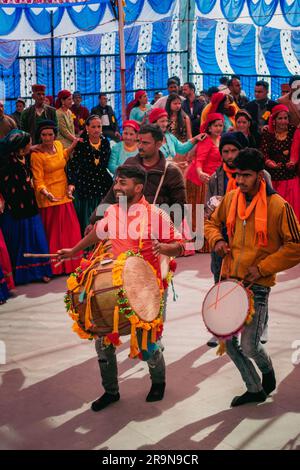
(51, 376)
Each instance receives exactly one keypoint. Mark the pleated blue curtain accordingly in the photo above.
(157, 65)
(88, 69)
(44, 65)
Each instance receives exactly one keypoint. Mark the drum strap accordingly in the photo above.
(160, 183)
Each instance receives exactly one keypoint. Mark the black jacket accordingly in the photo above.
(101, 111)
(195, 117)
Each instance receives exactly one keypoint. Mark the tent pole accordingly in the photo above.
(122, 57)
(188, 39)
(52, 56)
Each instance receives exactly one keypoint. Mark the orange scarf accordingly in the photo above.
(231, 180)
(259, 203)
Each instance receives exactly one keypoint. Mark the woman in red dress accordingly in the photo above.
(207, 159)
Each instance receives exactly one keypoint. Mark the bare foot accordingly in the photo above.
(46, 279)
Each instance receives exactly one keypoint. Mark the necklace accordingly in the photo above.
(281, 135)
(97, 147)
(21, 160)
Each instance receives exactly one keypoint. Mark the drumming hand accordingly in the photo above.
(222, 248)
(156, 247)
(253, 274)
(65, 253)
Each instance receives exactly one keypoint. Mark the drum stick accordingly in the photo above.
(60, 262)
(40, 255)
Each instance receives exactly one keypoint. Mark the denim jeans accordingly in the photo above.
(250, 346)
(109, 369)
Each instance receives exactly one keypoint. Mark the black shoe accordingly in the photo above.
(104, 401)
(156, 392)
(212, 342)
(269, 382)
(249, 397)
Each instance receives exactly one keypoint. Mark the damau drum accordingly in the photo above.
(225, 308)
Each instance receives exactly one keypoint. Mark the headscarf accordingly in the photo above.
(46, 124)
(157, 113)
(238, 139)
(13, 141)
(62, 95)
(138, 94)
(216, 100)
(210, 118)
(243, 112)
(131, 123)
(279, 108)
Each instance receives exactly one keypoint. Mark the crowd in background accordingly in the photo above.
(58, 160)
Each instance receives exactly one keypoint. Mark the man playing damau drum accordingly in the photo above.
(264, 239)
(129, 225)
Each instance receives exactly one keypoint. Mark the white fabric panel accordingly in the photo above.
(68, 65)
(261, 64)
(108, 66)
(144, 46)
(194, 64)
(221, 47)
(27, 69)
(174, 63)
(288, 55)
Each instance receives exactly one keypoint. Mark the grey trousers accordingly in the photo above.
(250, 346)
(109, 369)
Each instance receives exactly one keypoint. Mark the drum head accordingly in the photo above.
(228, 315)
(142, 288)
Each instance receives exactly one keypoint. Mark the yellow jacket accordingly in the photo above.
(283, 231)
(49, 172)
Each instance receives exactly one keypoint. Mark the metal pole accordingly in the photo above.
(122, 57)
(188, 39)
(52, 55)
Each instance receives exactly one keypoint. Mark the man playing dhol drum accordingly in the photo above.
(264, 239)
(116, 225)
(222, 182)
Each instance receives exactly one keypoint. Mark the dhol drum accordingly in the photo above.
(95, 290)
(226, 308)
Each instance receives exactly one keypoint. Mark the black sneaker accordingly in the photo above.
(269, 382)
(212, 342)
(157, 392)
(104, 401)
(249, 397)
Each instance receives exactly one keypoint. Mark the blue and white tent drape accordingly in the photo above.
(246, 37)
